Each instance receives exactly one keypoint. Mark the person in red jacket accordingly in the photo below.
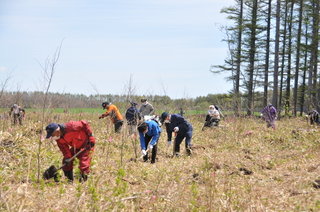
(71, 137)
(115, 115)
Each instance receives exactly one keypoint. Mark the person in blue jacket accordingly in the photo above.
(149, 132)
(182, 129)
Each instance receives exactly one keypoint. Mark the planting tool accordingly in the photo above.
(143, 155)
(52, 170)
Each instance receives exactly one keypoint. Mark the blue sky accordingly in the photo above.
(167, 46)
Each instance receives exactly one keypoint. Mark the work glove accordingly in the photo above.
(307, 115)
(169, 143)
(144, 152)
(101, 117)
(176, 129)
(150, 146)
(67, 161)
(261, 114)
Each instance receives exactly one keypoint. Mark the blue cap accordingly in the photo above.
(50, 129)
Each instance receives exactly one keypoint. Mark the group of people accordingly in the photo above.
(133, 115)
(75, 136)
(269, 113)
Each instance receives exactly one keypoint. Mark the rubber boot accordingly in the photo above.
(69, 175)
(145, 158)
(83, 178)
(189, 151)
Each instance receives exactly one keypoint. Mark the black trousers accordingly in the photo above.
(147, 140)
(117, 126)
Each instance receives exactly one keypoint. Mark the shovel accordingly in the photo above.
(52, 171)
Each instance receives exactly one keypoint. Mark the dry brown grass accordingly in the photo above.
(243, 167)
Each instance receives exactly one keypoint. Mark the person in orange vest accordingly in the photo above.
(115, 115)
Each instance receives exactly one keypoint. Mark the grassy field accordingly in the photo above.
(242, 166)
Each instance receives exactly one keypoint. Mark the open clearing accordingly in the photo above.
(240, 167)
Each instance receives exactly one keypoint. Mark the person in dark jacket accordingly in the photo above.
(133, 117)
(177, 124)
(71, 137)
(314, 117)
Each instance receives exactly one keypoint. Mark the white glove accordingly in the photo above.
(150, 146)
(144, 152)
(306, 115)
(261, 114)
(169, 143)
(176, 129)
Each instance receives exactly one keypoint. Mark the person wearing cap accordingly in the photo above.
(149, 132)
(115, 115)
(177, 124)
(270, 115)
(146, 109)
(71, 137)
(133, 117)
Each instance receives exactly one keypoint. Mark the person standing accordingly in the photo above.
(314, 117)
(133, 117)
(177, 124)
(146, 109)
(18, 113)
(115, 115)
(71, 137)
(149, 132)
(270, 115)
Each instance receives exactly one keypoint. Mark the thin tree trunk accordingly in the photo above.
(252, 56)
(296, 77)
(276, 57)
(266, 71)
(237, 80)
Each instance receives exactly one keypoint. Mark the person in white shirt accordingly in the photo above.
(213, 116)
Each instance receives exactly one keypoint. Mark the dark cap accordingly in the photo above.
(104, 104)
(50, 129)
(143, 100)
(142, 127)
(164, 115)
(133, 103)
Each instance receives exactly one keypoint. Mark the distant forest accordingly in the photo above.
(35, 100)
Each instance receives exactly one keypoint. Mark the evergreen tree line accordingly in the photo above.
(273, 50)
